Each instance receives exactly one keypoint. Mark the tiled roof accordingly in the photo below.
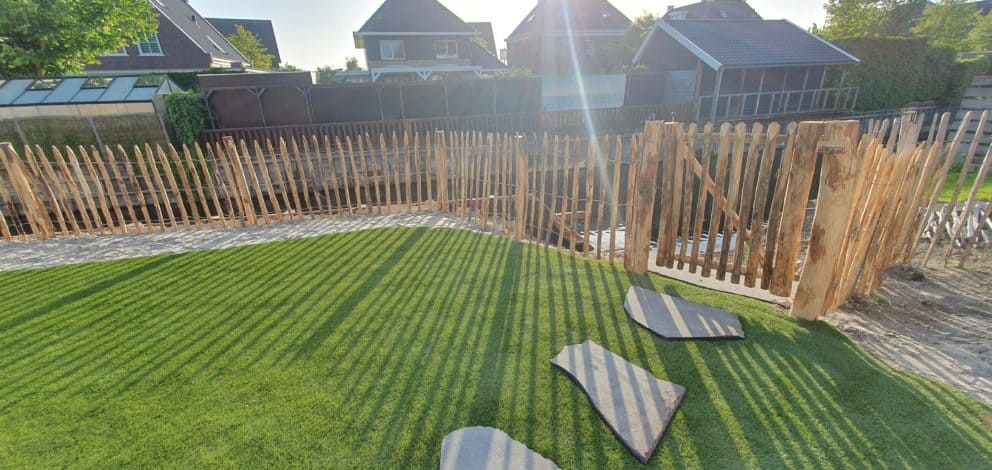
(752, 43)
(714, 10)
(560, 16)
(414, 16)
(261, 28)
(198, 29)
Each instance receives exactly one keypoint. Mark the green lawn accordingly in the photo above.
(363, 350)
(984, 194)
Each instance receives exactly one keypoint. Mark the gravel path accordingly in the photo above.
(34, 254)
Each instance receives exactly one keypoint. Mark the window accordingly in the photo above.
(45, 84)
(119, 52)
(150, 46)
(392, 50)
(446, 49)
(97, 82)
(149, 81)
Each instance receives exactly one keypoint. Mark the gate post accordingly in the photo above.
(637, 246)
(834, 207)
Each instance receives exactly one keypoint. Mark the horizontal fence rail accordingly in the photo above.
(728, 202)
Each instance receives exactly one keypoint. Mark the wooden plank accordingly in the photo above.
(173, 186)
(198, 186)
(86, 190)
(26, 194)
(100, 192)
(408, 180)
(417, 168)
(429, 156)
(207, 175)
(184, 179)
(575, 190)
(50, 185)
(296, 207)
(700, 219)
(263, 169)
(757, 179)
(687, 156)
(615, 199)
(733, 198)
(747, 200)
(778, 200)
(601, 165)
(240, 180)
(486, 178)
(522, 173)
(160, 187)
(716, 212)
(310, 174)
(951, 156)
(556, 168)
(631, 189)
(322, 175)
(385, 171)
(636, 256)
(43, 188)
(60, 190)
(590, 190)
(139, 192)
(834, 208)
(348, 162)
(969, 207)
(564, 192)
(365, 172)
(794, 209)
(304, 184)
(4, 228)
(335, 186)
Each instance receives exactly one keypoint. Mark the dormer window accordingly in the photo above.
(392, 50)
(150, 46)
(446, 49)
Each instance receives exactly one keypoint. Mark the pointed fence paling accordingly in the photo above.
(729, 202)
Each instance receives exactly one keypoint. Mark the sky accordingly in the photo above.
(313, 33)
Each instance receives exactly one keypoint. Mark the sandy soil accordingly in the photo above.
(26, 255)
(936, 321)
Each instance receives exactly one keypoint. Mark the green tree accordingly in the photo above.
(289, 68)
(980, 37)
(351, 63)
(251, 47)
(947, 24)
(856, 19)
(57, 37)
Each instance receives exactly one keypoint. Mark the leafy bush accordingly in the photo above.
(897, 71)
(187, 114)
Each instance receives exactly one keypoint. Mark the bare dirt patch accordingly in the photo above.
(936, 321)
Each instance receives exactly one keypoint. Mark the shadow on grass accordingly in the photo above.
(366, 349)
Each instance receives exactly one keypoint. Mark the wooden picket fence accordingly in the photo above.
(728, 202)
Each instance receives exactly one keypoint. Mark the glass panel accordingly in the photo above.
(149, 81)
(150, 46)
(97, 82)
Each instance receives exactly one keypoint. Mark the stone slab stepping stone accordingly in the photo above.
(636, 405)
(674, 318)
(488, 448)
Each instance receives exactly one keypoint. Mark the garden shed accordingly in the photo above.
(746, 68)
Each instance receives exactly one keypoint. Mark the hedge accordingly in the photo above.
(188, 115)
(897, 71)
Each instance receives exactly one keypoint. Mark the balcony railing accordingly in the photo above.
(733, 106)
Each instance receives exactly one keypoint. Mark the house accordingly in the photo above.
(561, 36)
(733, 69)
(185, 42)
(260, 28)
(408, 40)
(713, 10)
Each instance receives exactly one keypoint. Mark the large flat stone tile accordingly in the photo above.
(488, 449)
(674, 318)
(636, 405)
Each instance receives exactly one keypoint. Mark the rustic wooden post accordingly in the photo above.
(794, 210)
(638, 247)
(36, 214)
(834, 207)
(520, 200)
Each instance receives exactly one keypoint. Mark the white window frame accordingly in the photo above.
(122, 52)
(447, 43)
(151, 43)
(390, 46)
